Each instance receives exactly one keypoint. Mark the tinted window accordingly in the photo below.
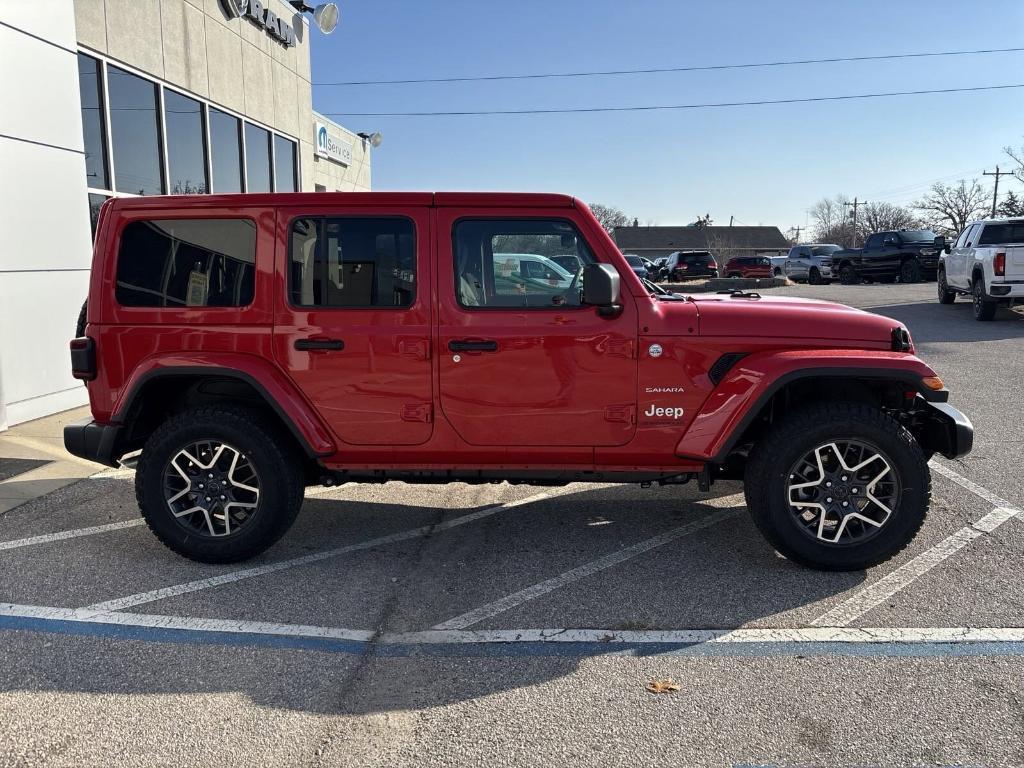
(634, 261)
(257, 159)
(225, 152)
(511, 263)
(187, 263)
(972, 236)
(93, 133)
(874, 241)
(917, 236)
(353, 262)
(962, 238)
(186, 156)
(135, 133)
(824, 250)
(284, 164)
(998, 234)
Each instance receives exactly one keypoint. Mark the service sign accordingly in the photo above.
(331, 147)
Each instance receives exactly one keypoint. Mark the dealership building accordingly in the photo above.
(112, 98)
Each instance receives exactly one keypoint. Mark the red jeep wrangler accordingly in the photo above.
(251, 345)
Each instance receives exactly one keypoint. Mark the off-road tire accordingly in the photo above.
(946, 296)
(848, 275)
(80, 325)
(766, 484)
(734, 275)
(910, 271)
(280, 478)
(814, 276)
(984, 308)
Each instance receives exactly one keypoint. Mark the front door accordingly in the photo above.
(353, 321)
(521, 361)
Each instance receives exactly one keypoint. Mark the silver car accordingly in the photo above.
(811, 263)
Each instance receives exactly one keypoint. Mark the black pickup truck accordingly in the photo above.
(911, 255)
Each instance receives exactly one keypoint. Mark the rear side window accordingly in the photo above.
(1002, 234)
(187, 263)
(352, 262)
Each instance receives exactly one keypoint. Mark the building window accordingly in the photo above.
(187, 263)
(186, 142)
(93, 134)
(353, 262)
(135, 133)
(257, 159)
(225, 152)
(284, 164)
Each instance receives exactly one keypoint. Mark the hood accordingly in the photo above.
(789, 317)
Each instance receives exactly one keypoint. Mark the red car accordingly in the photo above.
(748, 266)
(251, 345)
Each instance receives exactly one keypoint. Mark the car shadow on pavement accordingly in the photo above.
(722, 577)
(952, 322)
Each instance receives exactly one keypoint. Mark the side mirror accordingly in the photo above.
(601, 289)
(941, 244)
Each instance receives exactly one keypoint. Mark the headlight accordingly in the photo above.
(928, 251)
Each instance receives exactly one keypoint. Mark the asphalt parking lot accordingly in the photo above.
(511, 625)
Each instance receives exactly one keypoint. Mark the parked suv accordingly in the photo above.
(987, 263)
(811, 263)
(687, 265)
(748, 266)
(241, 347)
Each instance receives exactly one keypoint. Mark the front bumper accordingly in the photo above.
(95, 442)
(946, 430)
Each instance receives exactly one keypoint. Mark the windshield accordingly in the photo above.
(917, 236)
(824, 250)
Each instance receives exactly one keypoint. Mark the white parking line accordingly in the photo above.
(773, 636)
(969, 485)
(542, 588)
(882, 590)
(249, 573)
(46, 538)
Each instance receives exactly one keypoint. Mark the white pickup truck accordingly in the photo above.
(987, 263)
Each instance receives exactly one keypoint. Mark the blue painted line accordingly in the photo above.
(498, 649)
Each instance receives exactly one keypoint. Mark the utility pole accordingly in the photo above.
(855, 204)
(796, 237)
(995, 190)
(730, 218)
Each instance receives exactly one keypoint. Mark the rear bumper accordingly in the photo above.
(95, 442)
(946, 430)
(1006, 290)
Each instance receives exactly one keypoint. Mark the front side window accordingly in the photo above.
(352, 262)
(962, 238)
(135, 133)
(187, 263)
(875, 241)
(518, 263)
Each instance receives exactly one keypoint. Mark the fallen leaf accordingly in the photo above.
(667, 685)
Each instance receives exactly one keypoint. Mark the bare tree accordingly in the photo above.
(881, 217)
(1017, 155)
(609, 216)
(703, 221)
(832, 222)
(948, 207)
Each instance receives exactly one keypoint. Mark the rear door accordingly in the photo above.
(521, 361)
(353, 320)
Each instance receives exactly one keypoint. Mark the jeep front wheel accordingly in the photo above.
(215, 485)
(838, 487)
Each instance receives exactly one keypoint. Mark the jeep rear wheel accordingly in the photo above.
(847, 275)
(838, 487)
(215, 485)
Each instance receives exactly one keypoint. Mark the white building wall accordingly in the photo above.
(44, 261)
(334, 176)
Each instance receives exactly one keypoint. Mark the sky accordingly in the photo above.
(757, 164)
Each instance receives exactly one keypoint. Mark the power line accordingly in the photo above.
(659, 70)
(656, 107)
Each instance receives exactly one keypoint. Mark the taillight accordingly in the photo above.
(83, 358)
(999, 264)
(712, 265)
